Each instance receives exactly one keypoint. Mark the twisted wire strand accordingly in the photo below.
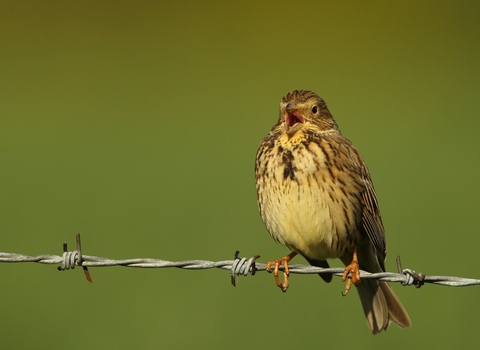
(238, 266)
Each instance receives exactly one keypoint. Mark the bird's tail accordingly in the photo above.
(381, 306)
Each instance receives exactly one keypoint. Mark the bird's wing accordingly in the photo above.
(372, 221)
(371, 218)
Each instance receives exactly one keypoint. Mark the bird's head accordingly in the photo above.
(305, 110)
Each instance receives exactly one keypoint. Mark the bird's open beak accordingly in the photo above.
(293, 120)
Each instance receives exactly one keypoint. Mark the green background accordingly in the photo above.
(136, 124)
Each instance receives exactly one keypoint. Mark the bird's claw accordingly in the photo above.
(354, 270)
(286, 271)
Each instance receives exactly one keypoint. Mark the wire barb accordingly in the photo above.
(238, 266)
(72, 259)
(242, 266)
(411, 277)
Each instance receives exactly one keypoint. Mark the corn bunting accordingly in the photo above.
(316, 197)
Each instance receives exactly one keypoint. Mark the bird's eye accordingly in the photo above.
(314, 109)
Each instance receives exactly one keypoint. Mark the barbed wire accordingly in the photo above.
(238, 266)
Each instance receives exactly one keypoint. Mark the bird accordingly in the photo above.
(316, 197)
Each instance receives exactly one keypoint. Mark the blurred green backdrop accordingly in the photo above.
(136, 124)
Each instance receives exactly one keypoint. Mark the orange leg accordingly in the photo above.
(277, 263)
(354, 270)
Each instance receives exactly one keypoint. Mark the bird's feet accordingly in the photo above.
(354, 269)
(286, 272)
